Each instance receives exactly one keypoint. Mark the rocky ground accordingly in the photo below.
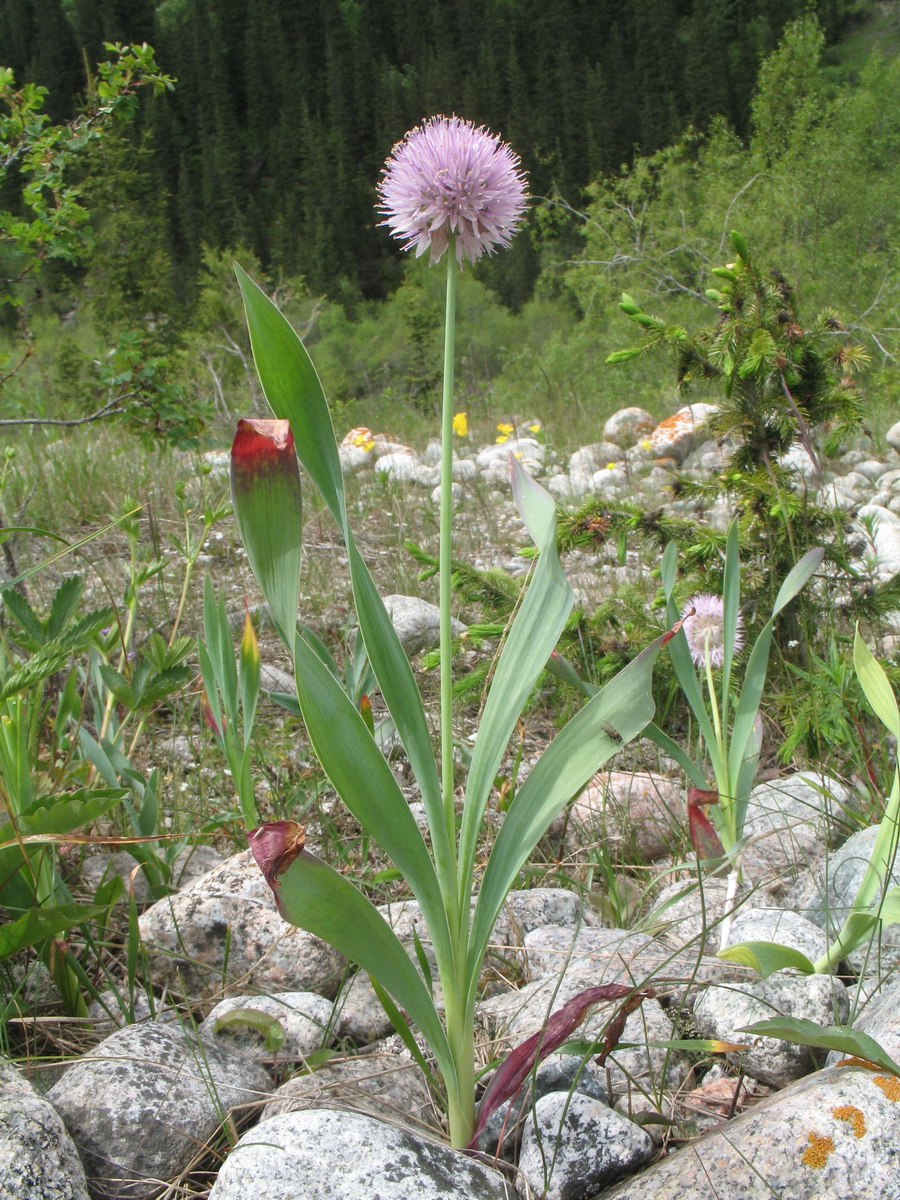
(197, 1096)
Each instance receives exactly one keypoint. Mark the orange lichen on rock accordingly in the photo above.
(816, 1153)
(853, 1116)
(890, 1085)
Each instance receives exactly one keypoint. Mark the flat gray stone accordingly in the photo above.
(831, 1136)
(38, 1159)
(141, 1104)
(573, 1146)
(321, 1154)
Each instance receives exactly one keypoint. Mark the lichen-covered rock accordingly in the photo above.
(723, 1012)
(683, 915)
(573, 1146)
(38, 1159)
(140, 1104)
(830, 1136)
(627, 425)
(223, 933)
(321, 1154)
(676, 436)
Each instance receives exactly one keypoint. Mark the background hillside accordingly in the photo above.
(648, 131)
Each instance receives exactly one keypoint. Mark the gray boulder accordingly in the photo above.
(788, 822)
(573, 1146)
(223, 933)
(141, 1104)
(416, 622)
(829, 900)
(38, 1159)
(385, 1082)
(321, 1154)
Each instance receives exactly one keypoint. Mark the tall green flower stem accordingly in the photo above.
(445, 555)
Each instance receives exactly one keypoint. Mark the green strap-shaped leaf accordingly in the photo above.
(624, 705)
(315, 897)
(767, 957)
(532, 637)
(295, 393)
(876, 685)
(731, 607)
(362, 778)
(755, 674)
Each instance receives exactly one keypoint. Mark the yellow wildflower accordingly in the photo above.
(460, 424)
(505, 430)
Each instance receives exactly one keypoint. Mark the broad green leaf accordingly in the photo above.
(532, 637)
(626, 705)
(876, 685)
(889, 913)
(797, 578)
(362, 778)
(294, 393)
(38, 924)
(315, 897)
(841, 1038)
(767, 957)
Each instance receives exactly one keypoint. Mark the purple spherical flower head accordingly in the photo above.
(449, 177)
(704, 629)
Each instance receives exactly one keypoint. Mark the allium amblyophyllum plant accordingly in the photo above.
(447, 187)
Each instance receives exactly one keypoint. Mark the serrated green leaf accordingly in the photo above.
(38, 924)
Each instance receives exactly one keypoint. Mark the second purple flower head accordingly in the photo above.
(447, 177)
